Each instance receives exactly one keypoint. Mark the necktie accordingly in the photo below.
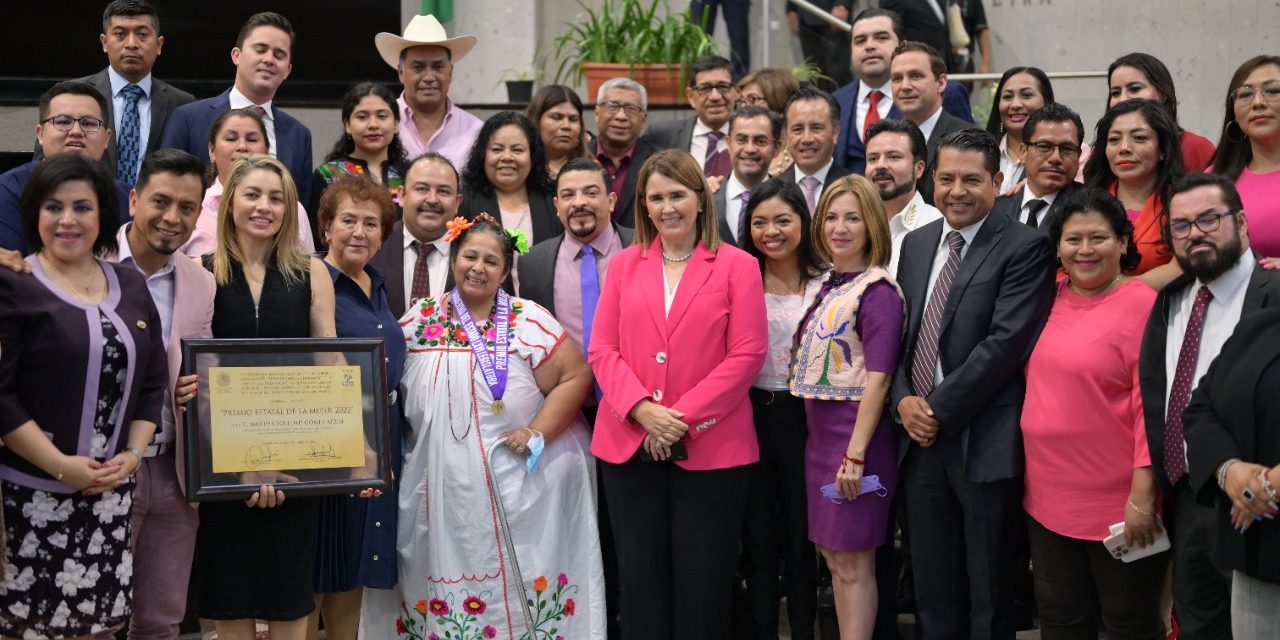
(926, 356)
(130, 132)
(421, 286)
(261, 111)
(1180, 393)
(589, 281)
(1033, 211)
(810, 185)
(873, 113)
(740, 229)
(716, 162)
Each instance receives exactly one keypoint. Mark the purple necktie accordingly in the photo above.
(810, 185)
(743, 223)
(589, 280)
(1180, 392)
(926, 356)
(716, 162)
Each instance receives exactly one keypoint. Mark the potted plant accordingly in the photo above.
(519, 85)
(631, 38)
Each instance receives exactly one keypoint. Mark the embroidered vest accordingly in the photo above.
(829, 362)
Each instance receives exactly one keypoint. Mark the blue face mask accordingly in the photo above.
(869, 484)
(536, 443)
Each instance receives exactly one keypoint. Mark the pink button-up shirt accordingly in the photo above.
(568, 277)
(452, 140)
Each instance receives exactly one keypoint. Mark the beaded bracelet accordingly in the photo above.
(1222, 472)
(849, 458)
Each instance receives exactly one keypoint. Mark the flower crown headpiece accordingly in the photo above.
(459, 225)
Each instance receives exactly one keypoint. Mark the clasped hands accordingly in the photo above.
(663, 427)
(918, 420)
(1249, 500)
(92, 477)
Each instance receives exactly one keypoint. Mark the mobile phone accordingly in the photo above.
(1120, 551)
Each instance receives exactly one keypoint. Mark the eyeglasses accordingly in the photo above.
(612, 106)
(1244, 95)
(725, 88)
(742, 139)
(64, 122)
(1045, 149)
(754, 99)
(1207, 223)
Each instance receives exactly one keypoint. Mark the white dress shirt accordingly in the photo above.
(1024, 211)
(698, 144)
(940, 255)
(927, 126)
(913, 216)
(239, 101)
(1220, 318)
(733, 204)
(1009, 166)
(437, 267)
(864, 103)
(118, 83)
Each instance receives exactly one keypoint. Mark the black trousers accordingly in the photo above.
(737, 18)
(829, 49)
(961, 533)
(776, 535)
(1201, 593)
(677, 534)
(1077, 581)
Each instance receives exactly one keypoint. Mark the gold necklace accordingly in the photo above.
(786, 289)
(1110, 285)
(71, 287)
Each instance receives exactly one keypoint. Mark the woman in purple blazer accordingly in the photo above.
(82, 381)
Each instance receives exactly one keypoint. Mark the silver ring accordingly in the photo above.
(1247, 494)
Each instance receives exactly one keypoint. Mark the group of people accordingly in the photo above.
(633, 367)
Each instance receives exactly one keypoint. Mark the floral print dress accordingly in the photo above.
(69, 553)
(457, 580)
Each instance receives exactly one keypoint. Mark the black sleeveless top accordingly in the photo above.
(283, 310)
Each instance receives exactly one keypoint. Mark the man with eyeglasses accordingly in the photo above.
(754, 134)
(71, 121)
(1192, 318)
(620, 118)
(1053, 135)
(712, 95)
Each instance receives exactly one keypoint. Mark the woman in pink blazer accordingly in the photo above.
(678, 337)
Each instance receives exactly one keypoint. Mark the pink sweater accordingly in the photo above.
(1260, 194)
(1082, 423)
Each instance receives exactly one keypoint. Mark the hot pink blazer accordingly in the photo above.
(700, 359)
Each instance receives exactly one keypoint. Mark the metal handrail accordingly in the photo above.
(822, 13)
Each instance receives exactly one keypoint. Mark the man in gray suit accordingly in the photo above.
(919, 77)
(138, 104)
(978, 289)
(712, 95)
(754, 139)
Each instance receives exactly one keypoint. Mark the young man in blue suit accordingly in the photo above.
(263, 60)
(876, 33)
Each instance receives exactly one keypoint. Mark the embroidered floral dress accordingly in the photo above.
(457, 579)
(74, 564)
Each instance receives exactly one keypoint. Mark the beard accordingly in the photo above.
(583, 229)
(897, 189)
(1206, 267)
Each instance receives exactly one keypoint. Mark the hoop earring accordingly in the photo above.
(1226, 132)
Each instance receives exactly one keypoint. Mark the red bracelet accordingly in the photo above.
(849, 458)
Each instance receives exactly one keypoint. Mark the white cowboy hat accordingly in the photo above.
(422, 30)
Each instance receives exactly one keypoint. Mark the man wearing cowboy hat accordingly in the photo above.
(423, 59)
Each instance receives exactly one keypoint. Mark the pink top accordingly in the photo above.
(1082, 424)
(567, 289)
(1260, 193)
(452, 140)
(205, 235)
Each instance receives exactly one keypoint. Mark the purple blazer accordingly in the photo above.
(51, 359)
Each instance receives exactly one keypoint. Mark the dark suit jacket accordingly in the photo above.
(728, 227)
(1262, 292)
(946, 124)
(920, 23)
(538, 268)
(188, 129)
(998, 304)
(672, 135)
(849, 149)
(624, 212)
(1011, 205)
(835, 173)
(542, 211)
(389, 261)
(1232, 414)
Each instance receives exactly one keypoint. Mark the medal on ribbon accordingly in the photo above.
(493, 367)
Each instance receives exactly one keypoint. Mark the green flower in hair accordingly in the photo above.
(520, 239)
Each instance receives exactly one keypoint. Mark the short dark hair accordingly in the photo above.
(435, 156)
(1100, 201)
(175, 161)
(810, 92)
(1157, 74)
(473, 174)
(1230, 196)
(919, 147)
(128, 9)
(448, 53)
(266, 19)
(1097, 169)
(755, 111)
(708, 63)
(1053, 112)
(75, 88)
(57, 170)
(790, 194)
(584, 163)
(994, 126)
(936, 64)
(975, 140)
(892, 15)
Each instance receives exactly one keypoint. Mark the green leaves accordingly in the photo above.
(630, 32)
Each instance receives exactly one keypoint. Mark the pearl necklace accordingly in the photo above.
(667, 258)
